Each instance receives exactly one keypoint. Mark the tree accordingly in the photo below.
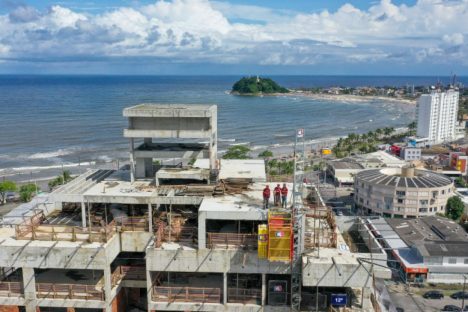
(266, 154)
(412, 125)
(5, 187)
(455, 208)
(28, 191)
(60, 179)
(237, 152)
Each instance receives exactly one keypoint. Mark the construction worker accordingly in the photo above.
(277, 195)
(266, 196)
(284, 195)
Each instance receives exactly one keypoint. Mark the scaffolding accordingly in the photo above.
(297, 219)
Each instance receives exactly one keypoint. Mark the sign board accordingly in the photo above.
(339, 299)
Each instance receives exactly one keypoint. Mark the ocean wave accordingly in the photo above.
(34, 168)
(53, 154)
(240, 143)
(226, 140)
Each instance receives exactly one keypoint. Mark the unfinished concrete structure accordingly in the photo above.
(108, 242)
(170, 131)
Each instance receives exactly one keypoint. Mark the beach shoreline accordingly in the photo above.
(334, 97)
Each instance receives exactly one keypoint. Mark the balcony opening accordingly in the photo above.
(187, 287)
(69, 284)
(278, 290)
(244, 288)
(129, 269)
(232, 234)
(11, 282)
(176, 224)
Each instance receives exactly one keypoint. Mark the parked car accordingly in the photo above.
(433, 294)
(459, 295)
(451, 308)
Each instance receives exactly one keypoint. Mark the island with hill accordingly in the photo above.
(257, 86)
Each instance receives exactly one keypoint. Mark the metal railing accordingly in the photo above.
(11, 289)
(49, 232)
(244, 295)
(69, 291)
(133, 224)
(232, 240)
(186, 294)
(184, 234)
(135, 273)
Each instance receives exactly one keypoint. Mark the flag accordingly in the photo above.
(300, 133)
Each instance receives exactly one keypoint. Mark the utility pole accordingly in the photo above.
(463, 297)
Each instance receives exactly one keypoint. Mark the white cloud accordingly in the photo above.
(220, 32)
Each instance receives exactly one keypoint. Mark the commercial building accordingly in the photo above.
(429, 249)
(402, 192)
(344, 170)
(178, 241)
(437, 116)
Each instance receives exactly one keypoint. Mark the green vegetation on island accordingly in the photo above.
(257, 85)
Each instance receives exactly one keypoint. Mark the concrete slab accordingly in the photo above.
(242, 169)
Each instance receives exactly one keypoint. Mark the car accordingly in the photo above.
(451, 308)
(433, 294)
(459, 295)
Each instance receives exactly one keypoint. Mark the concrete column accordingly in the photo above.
(366, 301)
(132, 160)
(108, 288)
(150, 218)
(201, 230)
(149, 288)
(225, 289)
(29, 282)
(264, 290)
(83, 214)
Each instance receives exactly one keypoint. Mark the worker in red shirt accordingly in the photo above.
(266, 196)
(284, 195)
(277, 195)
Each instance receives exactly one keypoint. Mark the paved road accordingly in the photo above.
(413, 302)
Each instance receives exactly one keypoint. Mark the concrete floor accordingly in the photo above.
(85, 277)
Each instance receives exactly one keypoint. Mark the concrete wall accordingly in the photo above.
(135, 241)
(207, 260)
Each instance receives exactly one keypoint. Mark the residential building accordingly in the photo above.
(410, 153)
(437, 116)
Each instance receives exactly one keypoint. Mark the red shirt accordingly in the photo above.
(284, 191)
(277, 190)
(266, 192)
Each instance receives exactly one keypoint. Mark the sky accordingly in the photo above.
(294, 37)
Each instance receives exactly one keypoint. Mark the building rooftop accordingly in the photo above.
(343, 164)
(392, 176)
(253, 169)
(432, 235)
(169, 110)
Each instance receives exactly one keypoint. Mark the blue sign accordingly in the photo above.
(339, 299)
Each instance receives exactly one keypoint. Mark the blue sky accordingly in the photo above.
(384, 37)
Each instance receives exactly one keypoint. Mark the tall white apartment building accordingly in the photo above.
(437, 116)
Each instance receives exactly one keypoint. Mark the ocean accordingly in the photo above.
(50, 122)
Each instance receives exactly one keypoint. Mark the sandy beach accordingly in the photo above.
(337, 97)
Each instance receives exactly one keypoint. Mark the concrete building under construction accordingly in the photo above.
(185, 237)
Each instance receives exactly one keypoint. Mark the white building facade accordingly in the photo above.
(437, 116)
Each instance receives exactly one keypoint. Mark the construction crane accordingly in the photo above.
(297, 213)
